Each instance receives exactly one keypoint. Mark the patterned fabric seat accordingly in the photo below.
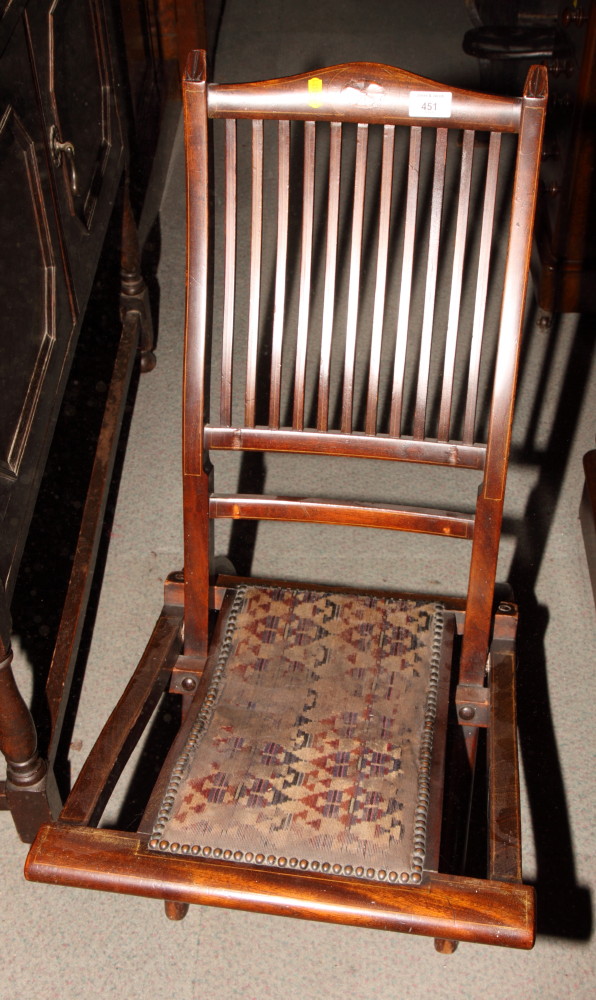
(335, 778)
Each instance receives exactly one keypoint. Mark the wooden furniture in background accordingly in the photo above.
(377, 144)
(566, 222)
(156, 37)
(562, 36)
(64, 153)
(90, 103)
(587, 514)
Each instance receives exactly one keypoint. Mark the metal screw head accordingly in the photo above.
(467, 712)
(545, 321)
(189, 684)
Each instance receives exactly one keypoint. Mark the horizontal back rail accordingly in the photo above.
(353, 445)
(422, 520)
(366, 93)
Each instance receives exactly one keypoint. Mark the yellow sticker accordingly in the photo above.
(315, 86)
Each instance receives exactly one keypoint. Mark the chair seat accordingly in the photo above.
(313, 746)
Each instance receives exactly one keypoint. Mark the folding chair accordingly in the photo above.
(323, 766)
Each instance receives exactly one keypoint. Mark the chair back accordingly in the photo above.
(356, 288)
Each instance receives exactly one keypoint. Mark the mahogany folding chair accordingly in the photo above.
(322, 768)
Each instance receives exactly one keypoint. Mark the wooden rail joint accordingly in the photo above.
(506, 621)
(472, 705)
(186, 675)
(173, 590)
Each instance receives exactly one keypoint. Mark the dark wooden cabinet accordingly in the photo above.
(78, 80)
(83, 87)
(62, 155)
(74, 46)
(38, 319)
(62, 162)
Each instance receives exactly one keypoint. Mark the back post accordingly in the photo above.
(489, 508)
(196, 467)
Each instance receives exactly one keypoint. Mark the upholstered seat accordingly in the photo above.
(314, 746)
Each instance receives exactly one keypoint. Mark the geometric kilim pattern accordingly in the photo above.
(312, 749)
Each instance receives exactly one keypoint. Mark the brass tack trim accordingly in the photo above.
(203, 719)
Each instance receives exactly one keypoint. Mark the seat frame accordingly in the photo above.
(449, 907)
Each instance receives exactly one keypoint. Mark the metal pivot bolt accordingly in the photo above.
(57, 149)
(189, 683)
(467, 712)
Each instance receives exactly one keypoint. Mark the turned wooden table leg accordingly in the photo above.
(134, 294)
(18, 739)
(31, 791)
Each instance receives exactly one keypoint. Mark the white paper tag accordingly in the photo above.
(430, 104)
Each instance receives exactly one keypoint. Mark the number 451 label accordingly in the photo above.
(430, 104)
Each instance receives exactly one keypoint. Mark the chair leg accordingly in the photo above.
(445, 946)
(174, 910)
